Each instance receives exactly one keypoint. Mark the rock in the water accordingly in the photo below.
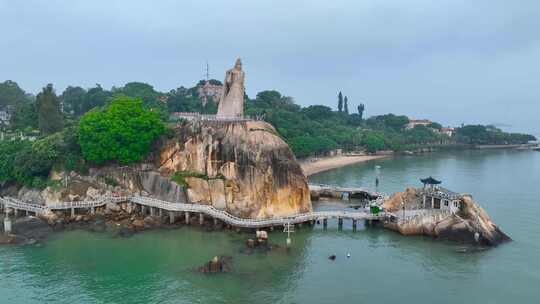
(31, 228)
(470, 224)
(138, 224)
(217, 265)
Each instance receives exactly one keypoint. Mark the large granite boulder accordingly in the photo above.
(243, 167)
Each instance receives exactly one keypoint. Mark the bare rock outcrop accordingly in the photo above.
(470, 224)
(242, 167)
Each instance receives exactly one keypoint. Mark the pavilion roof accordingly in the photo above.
(430, 181)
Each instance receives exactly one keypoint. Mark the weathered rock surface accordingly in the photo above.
(411, 198)
(243, 167)
(246, 168)
(28, 230)
(470, 225)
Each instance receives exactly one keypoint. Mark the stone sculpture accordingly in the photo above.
(232, 100)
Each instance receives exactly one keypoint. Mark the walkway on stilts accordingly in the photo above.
(173, 208)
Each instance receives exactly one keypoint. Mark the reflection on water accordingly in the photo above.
(157, 267)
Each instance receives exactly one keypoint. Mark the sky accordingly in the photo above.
(451, 61)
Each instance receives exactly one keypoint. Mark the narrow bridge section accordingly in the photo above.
(155, 205)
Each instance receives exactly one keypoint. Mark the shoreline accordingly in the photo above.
(334, 162)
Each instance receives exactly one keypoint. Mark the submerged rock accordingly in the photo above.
(29, 230)
(217, 265)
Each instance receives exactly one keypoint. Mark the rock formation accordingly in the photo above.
(470, 225)
(244, 168)
(231, 103)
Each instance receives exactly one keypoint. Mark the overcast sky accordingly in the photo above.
(451, 61)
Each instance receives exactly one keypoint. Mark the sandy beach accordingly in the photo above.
(328, 163)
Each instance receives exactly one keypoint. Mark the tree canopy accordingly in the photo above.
(50, 118)
(11, 94)
(121, 132)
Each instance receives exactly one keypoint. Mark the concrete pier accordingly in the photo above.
(7, 225)
(160, 213)
(171, 217)
(152, 211)
(340, 223)
(143, 210)
(354, 225)
(187, 217)
(72, 212)
(201, 219)
(325, 223)
(93, 210)
(215, 222)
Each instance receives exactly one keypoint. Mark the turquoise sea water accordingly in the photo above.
(157, 266)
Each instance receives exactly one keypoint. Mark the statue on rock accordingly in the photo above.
(231, 103)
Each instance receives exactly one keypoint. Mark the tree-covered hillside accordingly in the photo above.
(91, 126)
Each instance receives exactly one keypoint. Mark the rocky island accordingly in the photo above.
(239, 169)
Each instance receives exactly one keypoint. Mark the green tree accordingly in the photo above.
(8, 151)
(340, 102)
(140, 90)
(24, 116)
(373, 142)
(346, 106)
(361, 109)
(122, 132)
(11, 94)
(50, 119)
(95, 97)
(73, 100)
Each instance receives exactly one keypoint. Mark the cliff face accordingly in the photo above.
(471, 224)
(243, 168)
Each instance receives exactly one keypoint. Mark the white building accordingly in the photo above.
(5, 116)
(436, 197)
(418, 122)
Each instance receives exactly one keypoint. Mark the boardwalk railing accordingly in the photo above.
(197, 208)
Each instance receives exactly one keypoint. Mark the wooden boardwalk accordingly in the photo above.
(202, 210)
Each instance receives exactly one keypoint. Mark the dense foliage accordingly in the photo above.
(50, 118)
(94, 126)
(122, 132)
(488, 135)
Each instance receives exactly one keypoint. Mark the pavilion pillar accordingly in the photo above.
(187, 217)
(432, 202)
(215, 221)
(201, 218)
(424, 200)
(72, 212)
(152, 211)
(92, 210)
(143, 209)
(160, 212)
(354, 225)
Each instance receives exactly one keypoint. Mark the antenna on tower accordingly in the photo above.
(207, 73)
